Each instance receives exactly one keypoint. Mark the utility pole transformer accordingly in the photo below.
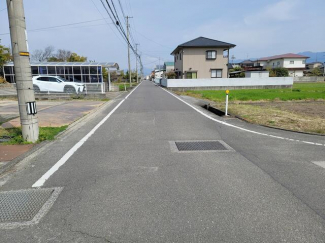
(23, 76)
(128, 34)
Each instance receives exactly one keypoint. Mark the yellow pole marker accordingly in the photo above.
(227, 91)
(24, 53)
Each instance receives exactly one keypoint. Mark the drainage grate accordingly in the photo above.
(200, 146)
(22, 205)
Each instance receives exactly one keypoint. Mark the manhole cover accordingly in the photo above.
(25, 206)
(188, 146)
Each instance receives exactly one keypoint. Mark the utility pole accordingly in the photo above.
(128, 37)
(136, 60)
(23, 76)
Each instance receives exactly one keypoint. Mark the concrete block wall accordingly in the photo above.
(307, 79)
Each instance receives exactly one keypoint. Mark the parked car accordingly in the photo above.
(56, 84)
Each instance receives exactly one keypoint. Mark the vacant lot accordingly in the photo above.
(301, 91)
(301, 108)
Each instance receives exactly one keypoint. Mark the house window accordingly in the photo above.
(292, 62)
(278, 63)
(216, 73)
(191, 75)
(303, 61)
(211, 55)
(273, 64)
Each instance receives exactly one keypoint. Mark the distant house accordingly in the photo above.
(296, 64)
(247, 63)
(202, 58)
(169, 67)
(313, 65)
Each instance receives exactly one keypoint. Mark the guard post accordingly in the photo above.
(227, 93)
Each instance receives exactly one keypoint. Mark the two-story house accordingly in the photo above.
(169, 67)
(202, 58)
(296, 64)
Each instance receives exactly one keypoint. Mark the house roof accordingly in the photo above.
(247, 62)
(204, 42)
(169, 63)
(288, 55)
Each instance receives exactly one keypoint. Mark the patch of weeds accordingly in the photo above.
(45, 133)
(77, 97)
(49, 133)
(271, 122)
(104, 99)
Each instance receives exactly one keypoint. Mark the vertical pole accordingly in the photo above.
(127, 27)
(226, 113)
(109, 80)
(24, 83)
(136, 60)
(228, 65)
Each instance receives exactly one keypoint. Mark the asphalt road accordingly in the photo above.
(127, 184)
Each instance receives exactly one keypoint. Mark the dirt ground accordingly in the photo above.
(307, 108)
(301, 116)
(307, 116)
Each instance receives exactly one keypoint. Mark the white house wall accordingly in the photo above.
(224, 82)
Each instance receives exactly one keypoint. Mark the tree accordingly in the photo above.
(316, 72)
(5, 55)
(63, 55)
(42, 55)
(278, 72)
(171, 75)
(74, 57)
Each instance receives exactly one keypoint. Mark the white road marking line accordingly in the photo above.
(65, 157)
(240, 128)
(319, 163)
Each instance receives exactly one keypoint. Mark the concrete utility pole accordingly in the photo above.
(24, 83)
(128, 37)
(136, 60)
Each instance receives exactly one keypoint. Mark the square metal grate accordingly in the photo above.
(22, 205)
(200, 146)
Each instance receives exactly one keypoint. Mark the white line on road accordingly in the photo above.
(65, 157)
(240, 128)
(319, 163)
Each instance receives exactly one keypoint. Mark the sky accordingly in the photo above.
(258, 28)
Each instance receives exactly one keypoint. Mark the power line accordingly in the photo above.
(58, 26)
(105, 19)
(153, 40)
(118, 27)
(3, 9)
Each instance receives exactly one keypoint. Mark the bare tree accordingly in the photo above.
(42, 55)
(63, 55)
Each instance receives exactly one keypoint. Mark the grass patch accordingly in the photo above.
(122, 86)
(300, 91)
(45, 133)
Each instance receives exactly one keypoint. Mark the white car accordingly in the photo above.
(56, 84)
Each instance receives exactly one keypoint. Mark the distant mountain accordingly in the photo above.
(313, 56)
